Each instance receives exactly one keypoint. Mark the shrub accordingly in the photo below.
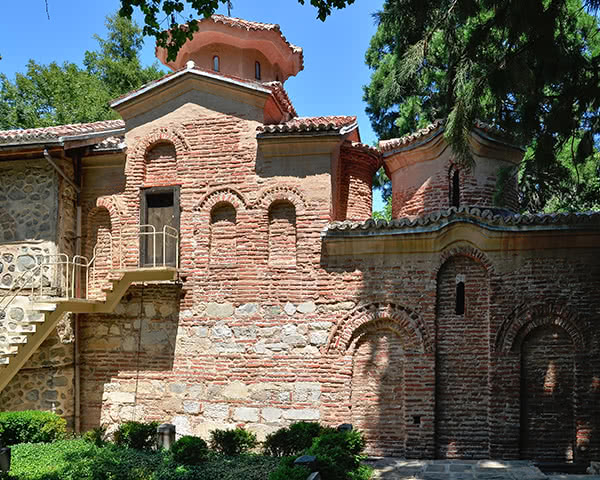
(232, 442)
(96, 435)
(31, 426)
(293, 440)
(339, 454)
(189, 450)
(288, 471)
(138, 435)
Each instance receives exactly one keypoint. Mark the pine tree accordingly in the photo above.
(529, 67)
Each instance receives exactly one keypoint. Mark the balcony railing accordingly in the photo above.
(61, 277)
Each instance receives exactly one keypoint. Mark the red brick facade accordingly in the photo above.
(288, 308)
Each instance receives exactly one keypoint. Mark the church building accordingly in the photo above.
(210, 261)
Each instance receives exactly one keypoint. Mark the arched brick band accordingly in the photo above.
(282, 192)
(527, 318)
(465, 251)
(222, 195)
(381, 316)
(136, 156)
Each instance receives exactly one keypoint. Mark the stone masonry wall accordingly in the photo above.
(44, 208)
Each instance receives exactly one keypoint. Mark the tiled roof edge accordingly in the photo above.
(502, 220)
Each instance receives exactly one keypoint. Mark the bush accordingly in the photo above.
(232, 442)
(138, 435)
(293, 440)
(31, 426)
(339, 454)
(288, 471)
(189, 450)
(81, 460)
(96, 435)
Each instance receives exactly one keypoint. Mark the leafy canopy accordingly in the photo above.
(158, 12)
(54, 94)
(529, 67)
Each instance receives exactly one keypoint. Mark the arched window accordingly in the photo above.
(455, 189)
(282, 234)
(216, 63)
(257, 70)
(223, 241)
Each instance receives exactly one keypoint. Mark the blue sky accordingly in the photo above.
(334, 50)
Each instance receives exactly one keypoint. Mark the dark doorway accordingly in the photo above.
(159, 209)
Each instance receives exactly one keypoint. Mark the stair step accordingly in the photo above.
(17, 340)
(24, 328)
(34, 316)
(43, 307)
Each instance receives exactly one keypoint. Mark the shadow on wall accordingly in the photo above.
(127, 357)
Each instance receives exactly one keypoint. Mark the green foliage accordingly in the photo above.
(31, 426)
(54, 94)
(156, 11)
(189, 450)
(96, 435)
(527, 67)
(288, 471)
(81, 460)
(338, 454)
(137, 435)
(232, 442)
(292, 440)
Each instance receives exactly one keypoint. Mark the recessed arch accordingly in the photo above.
(387, 316)
(282, 234)
(527, 317)
(223, 234)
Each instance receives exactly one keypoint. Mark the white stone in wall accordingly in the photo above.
(289, 308)
(296, 414)
(271, 415)
(236, 391)
(219, 310)
(307, 307)
(245, 414)
(307, 392)
(216, 411)
(182, 425)
(190, 406)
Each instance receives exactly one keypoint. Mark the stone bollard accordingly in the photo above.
(4, 459)
(166, 435)
(345, 427)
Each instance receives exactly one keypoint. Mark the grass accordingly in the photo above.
(81, 460)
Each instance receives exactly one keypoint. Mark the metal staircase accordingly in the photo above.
(58, 285)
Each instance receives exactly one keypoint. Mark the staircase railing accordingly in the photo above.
(65, 278)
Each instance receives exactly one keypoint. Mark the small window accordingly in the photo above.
(257, 70)
(216, 66)
(455, 190)
(460, 298)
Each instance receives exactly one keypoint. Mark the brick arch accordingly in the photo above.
(286, 193)
(380, 316)
(465, 251)
(136, 156)
(526, 318)
(221, 195)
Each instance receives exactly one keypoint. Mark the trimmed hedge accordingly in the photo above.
(31, 426)
(293, 440)
(189, 450)
(138, 435)
(232, 442)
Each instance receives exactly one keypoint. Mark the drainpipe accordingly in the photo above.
(78, 251)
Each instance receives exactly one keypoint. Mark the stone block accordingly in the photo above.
(246, 414)
(302, 414)
(307, 307)
(219, 310)
(271, 415)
